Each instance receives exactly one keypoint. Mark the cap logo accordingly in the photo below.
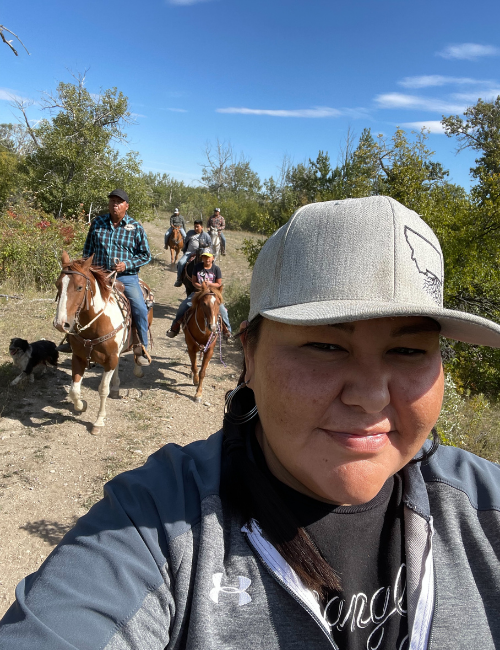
(429, 263)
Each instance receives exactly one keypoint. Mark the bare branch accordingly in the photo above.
(21, 106)
(9, 43)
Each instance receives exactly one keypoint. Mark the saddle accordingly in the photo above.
(124, 305)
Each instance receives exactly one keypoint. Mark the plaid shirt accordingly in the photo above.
(125, 243)
(216, 222)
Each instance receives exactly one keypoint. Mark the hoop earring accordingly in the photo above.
(238, 419)
(430, 452)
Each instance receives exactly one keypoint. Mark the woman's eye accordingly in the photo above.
(407, 352)
(324, 346)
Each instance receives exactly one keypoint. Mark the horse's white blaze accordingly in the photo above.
(61, 316)
(213, 324)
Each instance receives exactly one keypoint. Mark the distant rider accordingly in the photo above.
(194, 240)
(176, 220)
(205, 271)
(218, 221)
(119, 243)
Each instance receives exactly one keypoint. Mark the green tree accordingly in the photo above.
(480, 131)
(407, 170)
(72, 164)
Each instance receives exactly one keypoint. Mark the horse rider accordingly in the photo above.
(205, 271)
(218, 221)
(119, 243)
(176, 220)
(194, 240)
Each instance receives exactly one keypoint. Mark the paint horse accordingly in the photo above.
(175, 243)
(96, 317)
(202, 326)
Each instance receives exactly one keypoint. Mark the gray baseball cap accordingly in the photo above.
(357, 259)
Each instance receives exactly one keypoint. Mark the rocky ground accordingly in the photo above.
(51, 469)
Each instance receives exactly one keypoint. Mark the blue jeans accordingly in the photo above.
(181, 264)
(187, 303)
(137, 305)
(167, 234)
(223, 241)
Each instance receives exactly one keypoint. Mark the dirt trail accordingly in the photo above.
(51, 469)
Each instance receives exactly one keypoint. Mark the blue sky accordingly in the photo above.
(273, 78)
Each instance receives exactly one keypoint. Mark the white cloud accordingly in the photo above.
(318, 111)
(7, 94)
(399, 100)
(425, 81)
(471, 98)
(134, 115)
(176, 110)
(468, 51)
(434, 126)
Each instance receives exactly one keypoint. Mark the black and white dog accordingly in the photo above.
(28, 356)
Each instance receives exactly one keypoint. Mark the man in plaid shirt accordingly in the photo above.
(217, 221)
(119, 243)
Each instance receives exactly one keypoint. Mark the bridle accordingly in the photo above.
(84, 301)
(207, 326)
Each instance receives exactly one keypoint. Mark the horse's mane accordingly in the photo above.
(204, 291)
(101, 276)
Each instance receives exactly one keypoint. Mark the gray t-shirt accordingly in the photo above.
(194, 243)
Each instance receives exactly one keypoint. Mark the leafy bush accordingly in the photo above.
(31, 243)
(469, 422)
(237, 301)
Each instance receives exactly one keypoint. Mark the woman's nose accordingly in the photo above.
(367, 388)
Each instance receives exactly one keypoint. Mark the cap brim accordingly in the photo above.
(457, 325)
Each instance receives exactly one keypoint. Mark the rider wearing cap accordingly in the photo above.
(194, 240)
(218, 221)
(119, 243)
(176, 220)
(205, 271)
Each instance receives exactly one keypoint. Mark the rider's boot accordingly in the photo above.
(140, 356)
(175, 328)
(177, 283)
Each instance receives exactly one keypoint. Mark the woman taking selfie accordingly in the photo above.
(321, 516)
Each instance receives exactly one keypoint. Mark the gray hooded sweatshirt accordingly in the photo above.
(159, 563)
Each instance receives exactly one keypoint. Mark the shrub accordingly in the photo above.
(469, 422)
(31, 243)
(237, 301)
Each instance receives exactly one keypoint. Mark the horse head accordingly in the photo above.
(209, 300)
(74, 284)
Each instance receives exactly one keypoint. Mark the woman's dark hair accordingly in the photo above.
(252, 495)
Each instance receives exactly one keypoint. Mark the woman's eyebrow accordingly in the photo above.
(427, 326)
(347, 327)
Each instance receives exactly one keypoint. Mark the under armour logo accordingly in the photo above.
(244, 598)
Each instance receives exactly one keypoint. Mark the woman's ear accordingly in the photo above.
(248, 353)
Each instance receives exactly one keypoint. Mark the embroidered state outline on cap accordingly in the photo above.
(429, 262)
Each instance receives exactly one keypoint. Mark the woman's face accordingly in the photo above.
(344, 407)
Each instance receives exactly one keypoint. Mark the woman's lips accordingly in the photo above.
(360, 442)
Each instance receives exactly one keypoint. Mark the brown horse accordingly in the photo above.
(201, 327)
(175, 243)
(97, 319)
